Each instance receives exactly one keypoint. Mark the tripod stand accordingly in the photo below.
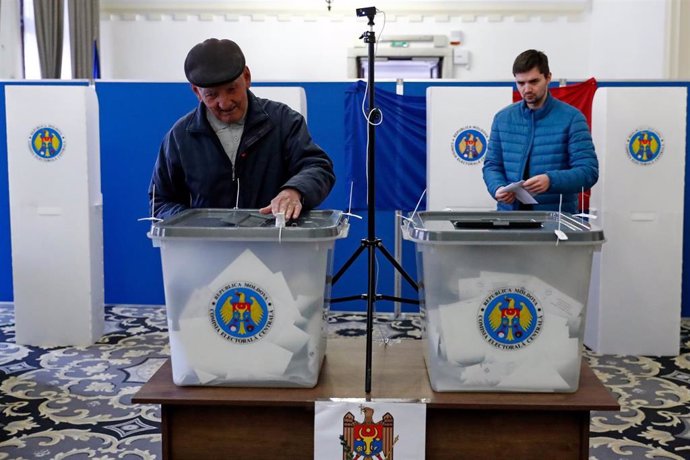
(371, 243)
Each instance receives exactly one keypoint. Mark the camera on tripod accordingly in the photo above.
(368, 11)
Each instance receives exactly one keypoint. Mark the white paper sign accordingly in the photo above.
(370, 430)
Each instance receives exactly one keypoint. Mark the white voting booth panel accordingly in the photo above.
(635, 295)
(55, 214)
(292, 96)
(454, 172)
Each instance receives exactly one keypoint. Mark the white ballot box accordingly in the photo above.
(504, 298)
(56, 213)
(246, 300)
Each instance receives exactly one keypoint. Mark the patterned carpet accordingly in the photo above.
(75, 402)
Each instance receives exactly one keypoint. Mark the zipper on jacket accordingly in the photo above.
(528, 150)
(237, 185)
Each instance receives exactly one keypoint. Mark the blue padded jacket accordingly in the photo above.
(556, 140)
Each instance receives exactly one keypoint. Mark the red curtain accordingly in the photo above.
(580, 96)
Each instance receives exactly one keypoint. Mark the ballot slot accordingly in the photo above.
(237, 218)
(497, 223)
(233, 224)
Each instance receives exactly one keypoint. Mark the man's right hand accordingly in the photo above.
(288, 202)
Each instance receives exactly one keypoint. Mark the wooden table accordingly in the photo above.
(221, 422)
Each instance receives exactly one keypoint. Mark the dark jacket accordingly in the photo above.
(276, 152)
(557, 142)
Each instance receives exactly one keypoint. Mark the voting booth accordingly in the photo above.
(246, 301)
(55, 214)
(635, 303)
(504, 298)
(458, 128)
(293, 97)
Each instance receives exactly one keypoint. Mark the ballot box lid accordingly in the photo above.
(501, 227)
(249, 224)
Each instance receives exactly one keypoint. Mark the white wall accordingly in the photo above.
(583, 38)
(628, 39)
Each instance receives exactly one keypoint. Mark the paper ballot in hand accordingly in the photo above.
(521, 194)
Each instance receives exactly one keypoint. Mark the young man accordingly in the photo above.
(235, 149)
(542, 140)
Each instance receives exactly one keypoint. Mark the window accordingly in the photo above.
(32, 65)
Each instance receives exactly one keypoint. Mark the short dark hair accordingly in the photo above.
(528, 60)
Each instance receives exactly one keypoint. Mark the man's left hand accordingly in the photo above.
(537, 184)
(288, 201)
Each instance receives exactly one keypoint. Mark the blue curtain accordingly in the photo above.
(96, 61)
(400, 149)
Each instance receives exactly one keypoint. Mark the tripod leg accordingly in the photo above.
(349, 262)
(397, 266)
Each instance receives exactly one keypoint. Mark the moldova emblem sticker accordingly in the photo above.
(469, 145)
(645, 146)
(368, 440)
(510, 318)
(47, 143)
(241, 312)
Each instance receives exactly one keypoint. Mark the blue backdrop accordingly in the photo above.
(135, 116)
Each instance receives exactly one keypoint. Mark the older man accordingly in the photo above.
(235, 149)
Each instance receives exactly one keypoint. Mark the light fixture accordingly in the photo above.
(328, 2)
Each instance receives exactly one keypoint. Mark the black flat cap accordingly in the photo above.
(214, 62)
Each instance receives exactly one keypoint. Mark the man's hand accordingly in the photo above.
(288, 201)
(504, 197)
(537, 184)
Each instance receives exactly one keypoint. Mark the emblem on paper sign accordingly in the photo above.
(368, 440)
(47, 143)
(510, 318)
(645, 146)
(241, 312)
(469, 145)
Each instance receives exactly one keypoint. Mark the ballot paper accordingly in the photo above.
(480, 287)
(537, 375)
(306, 363)
(521, 194)
(290, 351)
(432, 326)
(546, 362)
(309, 305)
(550, 298)
(484, 375)
(309, 278)
(198, 348)
(467, 360)
(460, 335)
(560, 303)
(291, 338)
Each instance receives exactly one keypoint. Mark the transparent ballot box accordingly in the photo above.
(504, 298)
(246, 301)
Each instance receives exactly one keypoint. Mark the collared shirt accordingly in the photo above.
(228, 134)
